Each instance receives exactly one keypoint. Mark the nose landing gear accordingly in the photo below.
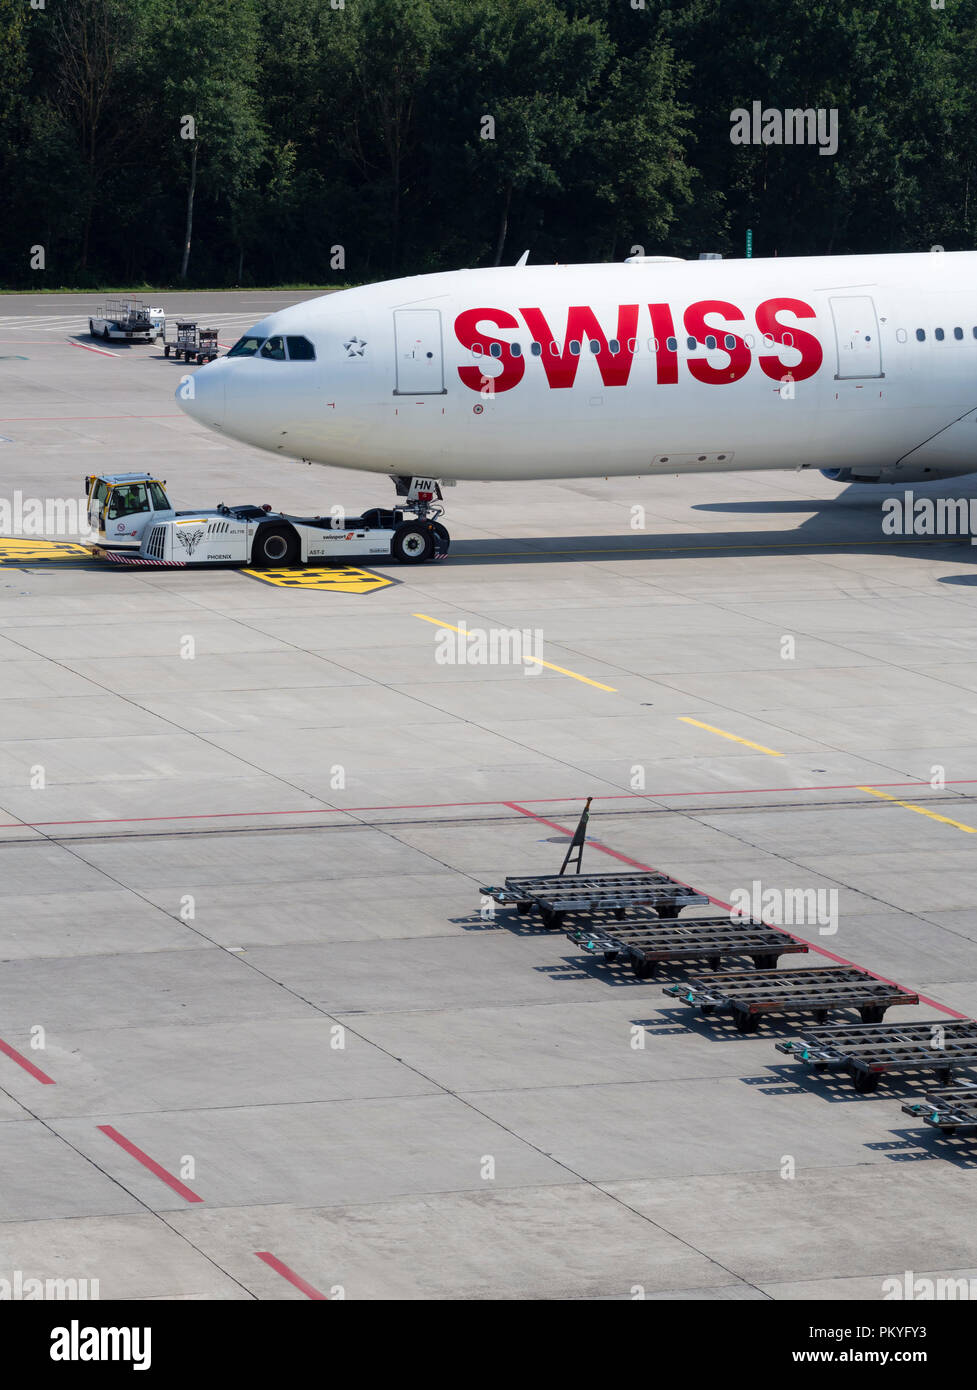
(424, 538)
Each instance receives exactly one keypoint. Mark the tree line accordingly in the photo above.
(242, 142)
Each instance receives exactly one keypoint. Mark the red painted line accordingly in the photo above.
(87, 347)
(718, 902)
(458, 805)
(150, 1163)
(22, 1061)
(276, 1264)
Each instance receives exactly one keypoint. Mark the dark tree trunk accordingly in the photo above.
(503, 225)
(189, 228)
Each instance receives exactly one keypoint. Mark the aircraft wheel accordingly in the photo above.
(275, 547)
(442, 541)
(412, 543)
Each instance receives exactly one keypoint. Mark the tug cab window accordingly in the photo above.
(127, 500)
(275, 349)
(300, 350)
(245, 347)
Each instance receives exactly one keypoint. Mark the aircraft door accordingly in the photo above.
(856, 337)
(419, 352)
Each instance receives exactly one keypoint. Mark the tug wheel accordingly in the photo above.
(275, 547)
(412, 543)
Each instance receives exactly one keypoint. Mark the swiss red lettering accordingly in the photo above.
(583, 329)
(469, 335)
(805, 343)
(697, 327)
(560, 363)
(666, 358)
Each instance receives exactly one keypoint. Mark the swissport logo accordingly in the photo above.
(715, 325)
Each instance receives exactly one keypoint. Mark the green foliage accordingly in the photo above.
(426, 134)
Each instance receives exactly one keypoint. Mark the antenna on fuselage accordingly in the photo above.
(523, 259)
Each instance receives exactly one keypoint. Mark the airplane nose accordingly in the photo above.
(202, 396)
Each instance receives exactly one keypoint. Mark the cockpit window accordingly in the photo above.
(245, 347)
(275, 349)
(300, 350)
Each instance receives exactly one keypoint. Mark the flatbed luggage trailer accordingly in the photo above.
(749, 994)
(868, 1051)
(122, 318)
(668, 939)
(949, 1109)
(556, 895)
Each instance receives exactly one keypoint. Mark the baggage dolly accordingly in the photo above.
(749, 994)
(950, 1109)
(554, 895)
(189, 341)
(693, 938)
(867, 1050)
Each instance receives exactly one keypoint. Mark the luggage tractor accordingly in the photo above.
(135, 524)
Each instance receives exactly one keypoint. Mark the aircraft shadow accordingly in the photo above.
(850, 521)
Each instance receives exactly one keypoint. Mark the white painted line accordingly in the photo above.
(89, 348)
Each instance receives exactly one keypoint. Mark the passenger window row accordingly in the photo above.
(711, 343)
(938, 334)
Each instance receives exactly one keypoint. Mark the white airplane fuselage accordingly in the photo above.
(860, 363)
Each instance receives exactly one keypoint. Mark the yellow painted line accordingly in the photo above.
(921, 810)
(537, 661)
(734, 737)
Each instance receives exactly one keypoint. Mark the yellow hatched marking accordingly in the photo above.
(340, 579)
(17, 550)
